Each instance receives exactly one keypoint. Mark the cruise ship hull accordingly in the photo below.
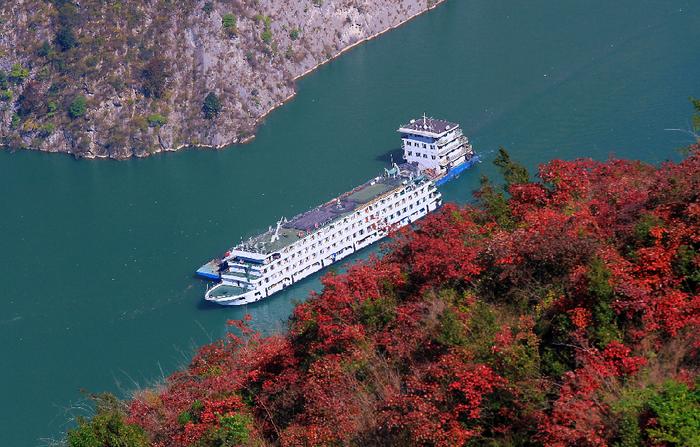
(435, 151)
(218, 294)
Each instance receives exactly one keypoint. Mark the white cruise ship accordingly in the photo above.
(435, 151)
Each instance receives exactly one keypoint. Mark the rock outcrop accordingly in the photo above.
(132, 78)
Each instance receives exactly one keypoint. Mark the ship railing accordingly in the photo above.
(445, 140)
(241, 275)
(454, 156)
(450, 147)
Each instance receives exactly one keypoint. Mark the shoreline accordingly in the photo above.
(258, 121)
(329, 60)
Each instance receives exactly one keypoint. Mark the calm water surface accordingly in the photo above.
(97, 258)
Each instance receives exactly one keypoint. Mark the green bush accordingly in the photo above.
(696, 115)
(377, 313)
(47, 129)
(232, 431)
(289, 52)
(266, 36)
(156, 120)
(674, 409)
(294, 34)
(184, 417)
(235, 428)
(139, 123)
(18, 74)
(605, 327)
(480, 330)
(628, 410)
(31, 101)
(65, 39)
(192, 414)
(512, 171)
(212, 106)
(117, 83)
(494, 203)
(107, 428)
(68, 13)
(78, 107)
(677, 410)
(685, 266)
(229, 22)
(45, 50)
(643, 227)
(451, 331)
(5, 95)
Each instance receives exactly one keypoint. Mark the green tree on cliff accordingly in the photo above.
(696, 115)
(107, 428)
(212, 106)
(493, 199)
(513, 172)
(78, 107)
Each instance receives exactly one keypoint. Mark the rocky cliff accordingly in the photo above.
(131, 78)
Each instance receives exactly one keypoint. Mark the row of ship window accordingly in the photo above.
(347, 239)
(361, 232)
(367, 210)
(371, 207)
(418, 155)
(320, 252)
(354, 235)
(425, 146)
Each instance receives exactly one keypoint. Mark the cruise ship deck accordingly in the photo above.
(301, 225)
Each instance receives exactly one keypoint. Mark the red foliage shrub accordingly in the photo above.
(469, 331)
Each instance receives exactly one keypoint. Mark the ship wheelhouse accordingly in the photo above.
(434, 145)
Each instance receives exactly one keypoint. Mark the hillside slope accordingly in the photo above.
(566, 315)
(118, 79)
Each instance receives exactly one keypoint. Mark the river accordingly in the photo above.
(97, 257)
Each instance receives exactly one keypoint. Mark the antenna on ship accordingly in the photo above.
(394, 171)
(276, 236)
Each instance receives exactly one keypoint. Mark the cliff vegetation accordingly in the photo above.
(129, 78)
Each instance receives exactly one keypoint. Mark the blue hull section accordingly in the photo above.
(209, 271)
(208, 275)
(454, 172)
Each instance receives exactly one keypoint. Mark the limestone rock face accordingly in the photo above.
(143, 69)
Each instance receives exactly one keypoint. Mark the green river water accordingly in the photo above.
(97, 257)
